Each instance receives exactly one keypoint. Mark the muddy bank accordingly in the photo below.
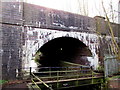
(15, 85)
(114, 83)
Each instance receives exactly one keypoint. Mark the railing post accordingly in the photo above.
(92, 75)
(66, 71)
(50, 71)
(77, 76)
(30, 71)
(57, 79)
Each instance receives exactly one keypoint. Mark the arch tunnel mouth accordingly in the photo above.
(63, 49)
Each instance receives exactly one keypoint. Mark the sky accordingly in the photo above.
(89, 8)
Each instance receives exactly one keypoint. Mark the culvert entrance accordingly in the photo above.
(64, 49)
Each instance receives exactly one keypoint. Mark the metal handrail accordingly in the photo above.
(70, 76)
(41, 82)
(89, 72)
(60, 71)
(67, 67)
(62, 74)
(35, 84)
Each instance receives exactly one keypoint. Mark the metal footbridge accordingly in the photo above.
(58, 78)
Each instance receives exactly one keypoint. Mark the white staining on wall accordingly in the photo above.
(42, 36)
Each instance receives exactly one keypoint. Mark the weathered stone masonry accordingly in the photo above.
(26, 27)
(12, 20)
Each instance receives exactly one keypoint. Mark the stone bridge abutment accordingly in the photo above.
(27, 29)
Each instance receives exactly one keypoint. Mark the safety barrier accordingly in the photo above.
(46, 76)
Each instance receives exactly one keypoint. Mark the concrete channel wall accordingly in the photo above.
(112, 66)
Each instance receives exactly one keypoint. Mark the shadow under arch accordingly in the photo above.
(66, 49)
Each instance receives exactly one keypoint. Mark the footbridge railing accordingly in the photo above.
(37, 86)
(64, 77)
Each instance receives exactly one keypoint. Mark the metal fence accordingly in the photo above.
(51, 78)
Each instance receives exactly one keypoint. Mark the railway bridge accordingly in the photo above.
(34, 36)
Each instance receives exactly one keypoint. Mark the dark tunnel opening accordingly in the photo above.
(66, 49)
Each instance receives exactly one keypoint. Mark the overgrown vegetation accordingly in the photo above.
(3, 81)
(115, 77)
(100, 68)
(37, 57)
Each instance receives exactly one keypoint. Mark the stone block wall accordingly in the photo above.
(16, 16)
(41, 17)
(12, 12)
(11, 50)
(11, 29)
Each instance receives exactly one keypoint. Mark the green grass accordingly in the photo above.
(116, 77)
(2, 81)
